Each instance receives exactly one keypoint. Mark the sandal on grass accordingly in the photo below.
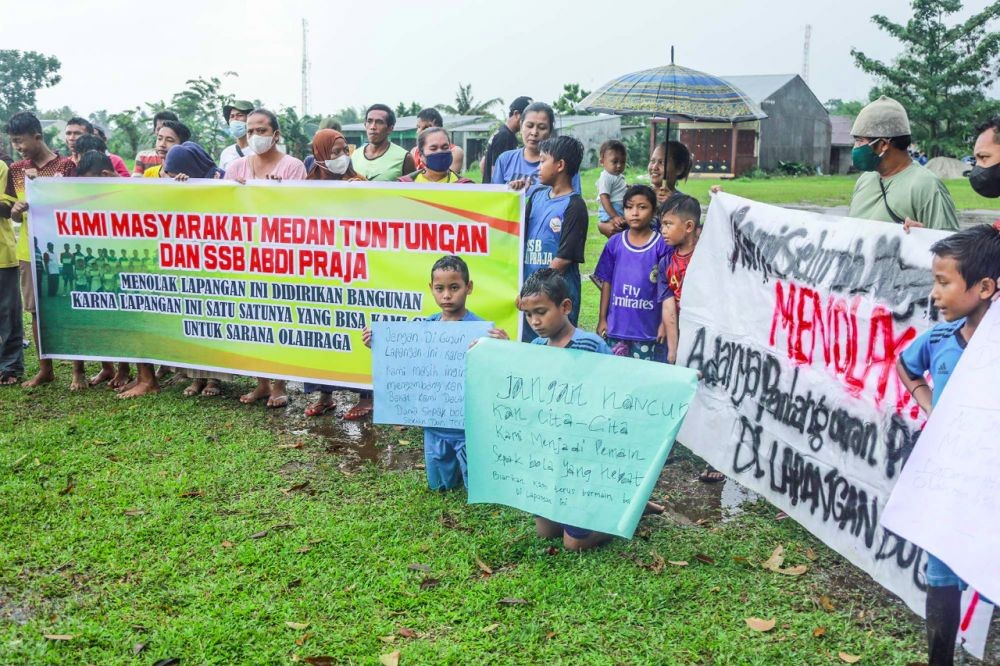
(358, 412)
(711, 476)
(319, 408)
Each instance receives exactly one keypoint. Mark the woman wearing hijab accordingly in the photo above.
(183, 162)
(332, 161)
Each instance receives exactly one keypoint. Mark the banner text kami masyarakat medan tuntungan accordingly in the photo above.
(266, 279)
(795, 321)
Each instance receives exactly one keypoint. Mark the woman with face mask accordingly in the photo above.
(332, 161)
(434, 147)
(267, 162)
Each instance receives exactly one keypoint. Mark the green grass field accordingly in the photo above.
(217, 533)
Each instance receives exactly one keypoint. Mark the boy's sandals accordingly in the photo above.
(358, 412)
(8, 378)
(320, 408)
(711, 475)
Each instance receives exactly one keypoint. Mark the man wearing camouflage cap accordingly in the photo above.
(892, 187)
(235, 114)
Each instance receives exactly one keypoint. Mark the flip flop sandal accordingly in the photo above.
(357, 412)
(320, 408)
(708, 476)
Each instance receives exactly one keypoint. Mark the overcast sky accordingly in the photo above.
(117, 54)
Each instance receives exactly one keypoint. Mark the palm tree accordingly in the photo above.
(466, 105)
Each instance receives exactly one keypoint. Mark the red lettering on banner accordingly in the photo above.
(231, 258)
(298, 231)
(180, 255)
(345, 266)
(61, 223)
(799, 313)
(274, 260)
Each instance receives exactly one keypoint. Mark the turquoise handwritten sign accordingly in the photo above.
(418, 371)
(576, 437)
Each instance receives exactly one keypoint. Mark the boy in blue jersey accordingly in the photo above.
(966, 268)
(545, 301)
(557, 219)
(444, 448)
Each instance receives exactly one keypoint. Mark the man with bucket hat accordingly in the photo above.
(892, 187)
(235, 114)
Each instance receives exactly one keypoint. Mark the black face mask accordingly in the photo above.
(986, 181)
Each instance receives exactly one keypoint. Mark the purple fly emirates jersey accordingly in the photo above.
(511, 165)
(634, 311)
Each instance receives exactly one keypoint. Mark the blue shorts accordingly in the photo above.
(602, 215)
(445, 459)
(939, 574)
(576, 532)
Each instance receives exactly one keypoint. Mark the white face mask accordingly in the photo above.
(338, 165)
(260, 144)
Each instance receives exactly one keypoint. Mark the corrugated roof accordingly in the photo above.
(840, 134)
(759, 87)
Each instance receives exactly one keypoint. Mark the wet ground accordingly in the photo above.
(686, 500)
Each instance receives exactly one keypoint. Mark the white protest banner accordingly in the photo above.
(947, 498)
(973, 628)
(795, 320)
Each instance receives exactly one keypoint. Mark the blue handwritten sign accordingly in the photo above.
(576, 437)
(418, 371)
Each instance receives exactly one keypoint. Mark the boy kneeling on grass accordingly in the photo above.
(966, 267)
(546, 304)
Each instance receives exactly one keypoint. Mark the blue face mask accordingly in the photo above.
(439, 161)
(237, 129)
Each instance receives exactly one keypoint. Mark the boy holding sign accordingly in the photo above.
(966, 268)
(546, 303)
(444, 448)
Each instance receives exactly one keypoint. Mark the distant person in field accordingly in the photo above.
(235, 115)
(267, 162)
(170, 134)
(25, 132)
(431, 117)
(145, 159)
(380, 158)
(504, 139)
(546, 303)
(892, 187)
(518, 168)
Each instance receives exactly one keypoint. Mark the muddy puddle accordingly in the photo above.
(351, 444)
(689, 501)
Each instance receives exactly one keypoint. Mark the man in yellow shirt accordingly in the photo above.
(11, 319)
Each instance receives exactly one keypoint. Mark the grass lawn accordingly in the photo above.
(183, 525)
(217, 533)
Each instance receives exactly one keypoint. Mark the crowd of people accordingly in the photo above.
(652, 232)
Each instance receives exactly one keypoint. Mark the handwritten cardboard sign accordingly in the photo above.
(946, 499)
(796, 320)
(576, 437)
(418, 371)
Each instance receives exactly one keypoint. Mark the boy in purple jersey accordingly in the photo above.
(630, 315)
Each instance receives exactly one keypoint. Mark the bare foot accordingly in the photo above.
(652, 508)
(39, 379)
(79, 382)
(140, 388)
(118, 381)
(129, 386)
(212, 388)
(277, 399)
(262, 391)
(104, 375)
(195, 388)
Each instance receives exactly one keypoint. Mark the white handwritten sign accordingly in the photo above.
(948, 497)
(796, 320)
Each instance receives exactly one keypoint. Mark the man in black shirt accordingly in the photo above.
(505, 138)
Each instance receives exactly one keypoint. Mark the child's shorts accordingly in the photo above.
(645, 350)
(602, 214)
(940, 574)
(445, 459)
(576, 532)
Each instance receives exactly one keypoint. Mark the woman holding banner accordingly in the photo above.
(331, 161)
(434, 147)
(263, 134)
